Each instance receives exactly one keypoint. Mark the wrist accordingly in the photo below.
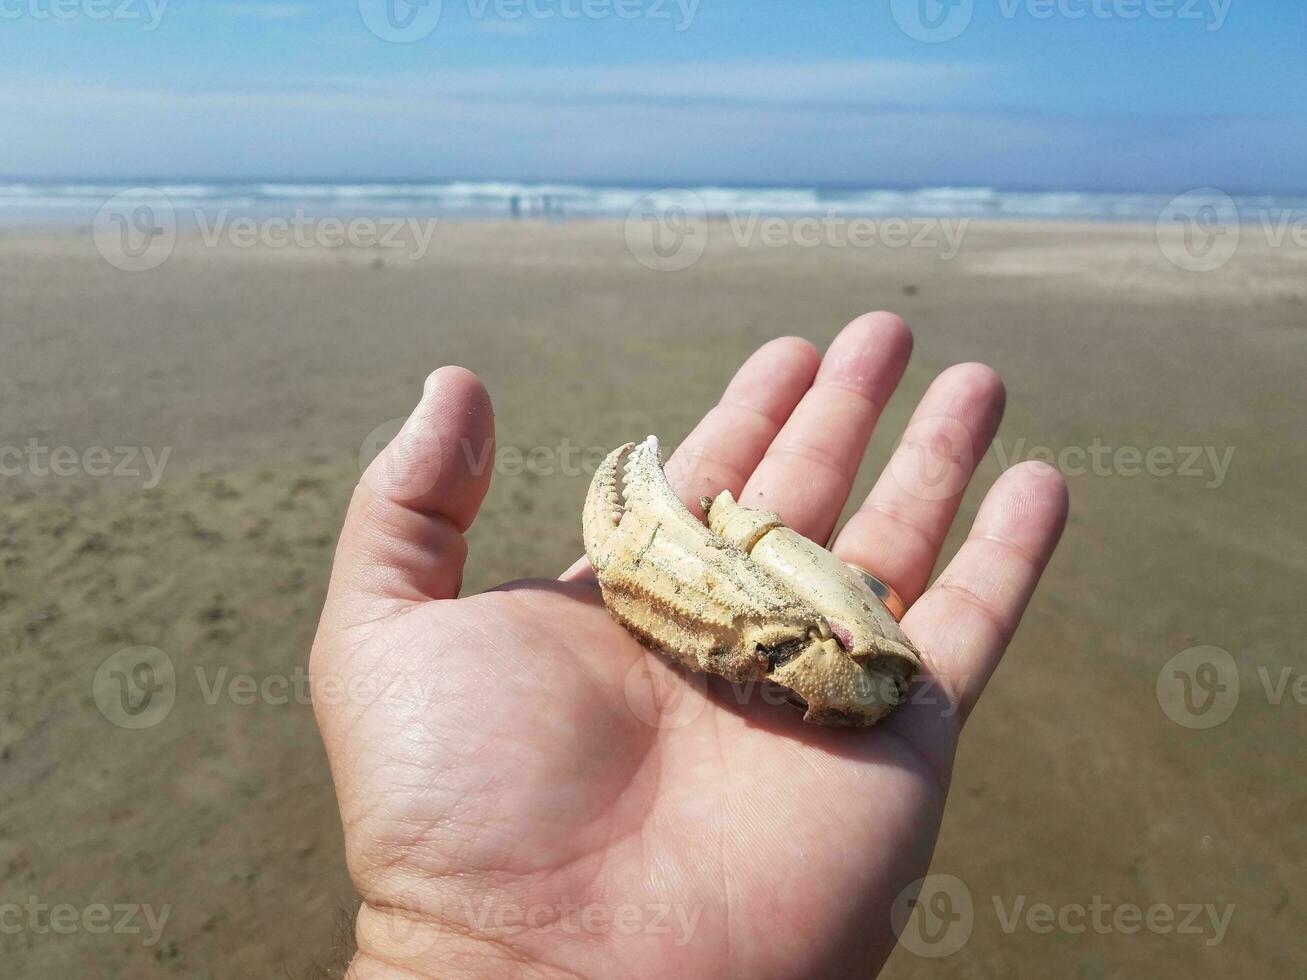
(396, 945)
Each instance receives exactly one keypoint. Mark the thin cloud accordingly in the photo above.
(781, 90)
(818, 86)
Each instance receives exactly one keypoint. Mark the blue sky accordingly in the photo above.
(1159, 95)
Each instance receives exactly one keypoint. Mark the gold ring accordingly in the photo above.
(891, 599)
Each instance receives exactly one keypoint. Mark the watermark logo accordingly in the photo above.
(664, 696)
(136, 688)
(934, 458)
(1199, 688)
(401, 21)
(667, 230)
(1202, 230)
(414, 440)
(933, 916)
(376, 441)
(402, 456)
(933, 21)
(136, 230)
(1198, 231)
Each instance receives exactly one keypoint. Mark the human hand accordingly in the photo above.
(537, 795)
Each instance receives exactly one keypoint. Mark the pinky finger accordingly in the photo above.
(965, 621)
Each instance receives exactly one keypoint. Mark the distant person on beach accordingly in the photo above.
(525, 791)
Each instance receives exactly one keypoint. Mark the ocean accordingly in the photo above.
(32, 201)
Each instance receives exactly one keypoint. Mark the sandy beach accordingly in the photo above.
(215, 411)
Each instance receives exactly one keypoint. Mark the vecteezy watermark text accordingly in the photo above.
(1207, 920)
(664, 695)
(137, 688)
(117, 462)
(137, 230)
(149, 13)
(1211, 14)
(300, 231)
(669, 230)
(935, 916)
(680, 13)
(836, 231)
(1208, 463)
(564, 458)
(407, 21)
(675, 921)
(99, 919)
(937, 21)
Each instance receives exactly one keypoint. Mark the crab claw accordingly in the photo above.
(746, 599)
(603, 508)
(640, 483)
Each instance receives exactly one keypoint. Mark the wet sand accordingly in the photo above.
(263, 374)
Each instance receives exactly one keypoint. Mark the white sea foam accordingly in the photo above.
(76, 200)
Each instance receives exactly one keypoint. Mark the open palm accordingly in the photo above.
(527, 791)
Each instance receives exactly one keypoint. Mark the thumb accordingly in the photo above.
(403, 536)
